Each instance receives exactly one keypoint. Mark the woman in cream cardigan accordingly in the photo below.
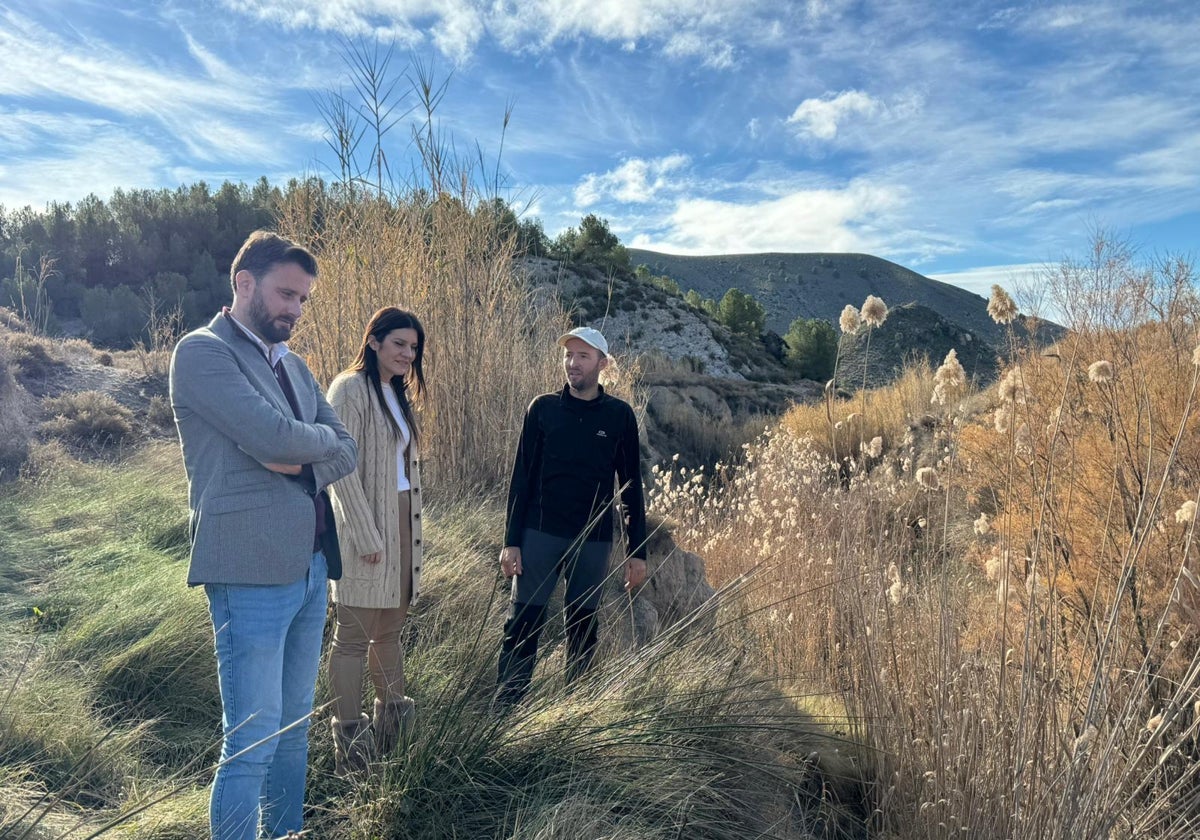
(378, 512)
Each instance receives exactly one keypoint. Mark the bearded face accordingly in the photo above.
(273, 325)
(276, 301)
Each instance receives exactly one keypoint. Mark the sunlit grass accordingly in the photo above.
(117, 707)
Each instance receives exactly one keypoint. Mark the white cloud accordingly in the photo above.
(820, 118)
(980, 280)
(1175, 164)
(816, 10)
(635, 181)
(715, 53)
(1025, 282)
(804, 220)
(214, 67)
(1064, 18)
(36, 61)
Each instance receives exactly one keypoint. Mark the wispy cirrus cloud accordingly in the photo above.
(37, 61)
(75, 156)
(681, 28)
(980, 280)
(205, 111)
(715, 53)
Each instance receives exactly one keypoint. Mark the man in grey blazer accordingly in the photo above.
(260, 444)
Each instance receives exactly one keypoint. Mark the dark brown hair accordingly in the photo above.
(263, 250)
(367, 362)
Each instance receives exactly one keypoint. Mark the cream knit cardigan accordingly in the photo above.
(366, 504)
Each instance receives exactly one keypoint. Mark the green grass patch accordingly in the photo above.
(116, 705)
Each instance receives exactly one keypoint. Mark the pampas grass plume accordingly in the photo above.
(982, 525)
(874, 311)
(850, 319)
(949, 381)
(1001, 307)
(1101, 371)
(927, 477)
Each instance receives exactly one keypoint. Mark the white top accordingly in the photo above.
(389, 396)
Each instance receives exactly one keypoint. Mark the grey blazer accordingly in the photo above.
(249, 524)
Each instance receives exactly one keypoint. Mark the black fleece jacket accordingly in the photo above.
(562, 478)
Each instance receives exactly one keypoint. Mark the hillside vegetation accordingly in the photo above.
(943, 610)
(1000, 586)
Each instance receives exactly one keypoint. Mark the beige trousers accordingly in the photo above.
(372, 635)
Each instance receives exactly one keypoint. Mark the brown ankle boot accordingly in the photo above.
(353, 747)
(392, 720)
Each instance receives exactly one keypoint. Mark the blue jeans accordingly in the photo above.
(268, 645)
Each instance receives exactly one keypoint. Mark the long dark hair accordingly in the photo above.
(367, 363)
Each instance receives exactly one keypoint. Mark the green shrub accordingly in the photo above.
(742, 314)
(700, 303)
(812, 347)
(115, 317)
(667, 285)
(592, 243)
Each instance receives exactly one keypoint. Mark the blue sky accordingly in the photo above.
(967, 140)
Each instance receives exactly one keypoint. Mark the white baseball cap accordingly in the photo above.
(588, 336)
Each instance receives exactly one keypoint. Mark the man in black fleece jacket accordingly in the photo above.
(560, 518)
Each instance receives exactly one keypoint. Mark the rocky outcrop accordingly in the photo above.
(706, 418)
(639, 319)
(676, 593)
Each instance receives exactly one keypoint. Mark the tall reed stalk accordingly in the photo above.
(430, 241)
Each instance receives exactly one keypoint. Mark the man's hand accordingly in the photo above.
(635, 573)
(284, 469)
(510, 560)
(372, 559)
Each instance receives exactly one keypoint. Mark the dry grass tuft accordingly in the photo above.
(15, 428)
(87, 418)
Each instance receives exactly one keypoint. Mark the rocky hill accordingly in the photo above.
(794, 286)
(914, 333)
(638, 318)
